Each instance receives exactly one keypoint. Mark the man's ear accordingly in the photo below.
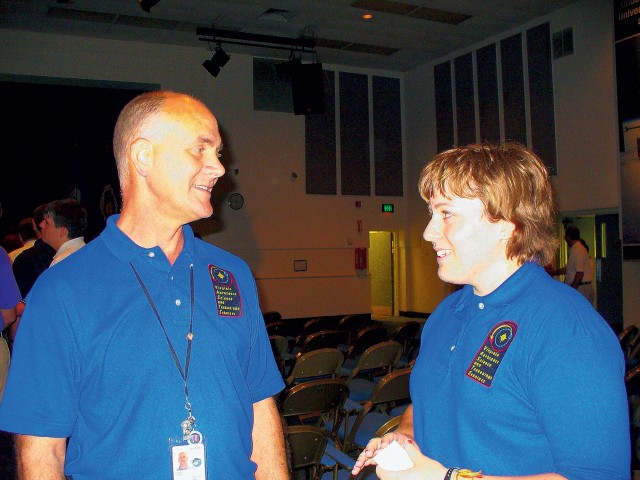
(141, 152)
(64, 232)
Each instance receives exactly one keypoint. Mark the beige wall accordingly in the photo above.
(280, 223)
(586, 132)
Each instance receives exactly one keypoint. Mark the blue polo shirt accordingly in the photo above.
(91, 360)
(528, 379)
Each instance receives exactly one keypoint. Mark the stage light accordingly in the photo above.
(220, 57)
(211, 67)
(147, 4)
(218, 60)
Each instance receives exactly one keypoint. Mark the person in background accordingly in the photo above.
(9, 298)
(518, 377)
(63, 227)
(578, 272)
(27, 233)
(29, 264)
(11, 242)
(147, 336)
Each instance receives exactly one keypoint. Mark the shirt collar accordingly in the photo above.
(508, 292)
(126, 249)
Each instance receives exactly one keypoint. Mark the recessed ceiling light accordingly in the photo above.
(367, 16)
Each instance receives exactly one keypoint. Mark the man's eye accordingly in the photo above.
(446, 214)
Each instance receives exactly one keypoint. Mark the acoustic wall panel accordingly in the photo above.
(488, 105)
(387, 136)
(465, 100)
(354, 134)
(444, 105)
(543, 127)
(515, 127)
(320, 145)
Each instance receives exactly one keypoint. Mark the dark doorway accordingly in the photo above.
(608, 257)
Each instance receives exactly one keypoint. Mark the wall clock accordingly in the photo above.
(236, 201)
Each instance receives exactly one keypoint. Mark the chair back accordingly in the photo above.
(313, 402)
(629, 338)
(323, 362)
(271, 316)
(388, 426)
(632, 381)
(321, 339)
(307, 444)
(350, 325)
(279, 346)
(392, 389)
(286, 329)
(379, 357)
(318, 324)
(368, 336)
(407, 334)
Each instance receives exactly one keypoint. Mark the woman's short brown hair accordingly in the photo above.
(512, 183)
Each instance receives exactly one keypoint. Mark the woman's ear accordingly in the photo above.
(141, 152)
(506, 229)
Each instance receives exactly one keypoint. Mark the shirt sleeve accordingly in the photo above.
(264, 378)
(9, 292)
(40, 397)
(579, 395)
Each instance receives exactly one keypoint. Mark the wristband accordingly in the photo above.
(450, 473)
(455, 473)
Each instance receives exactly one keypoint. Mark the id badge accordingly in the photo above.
(188, 461)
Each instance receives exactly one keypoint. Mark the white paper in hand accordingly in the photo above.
(393, 457)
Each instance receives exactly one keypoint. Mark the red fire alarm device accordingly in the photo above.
(361, 258)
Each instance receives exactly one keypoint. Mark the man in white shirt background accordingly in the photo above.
(63, 227)
(578, 271)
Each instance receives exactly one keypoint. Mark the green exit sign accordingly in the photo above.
(387, 207)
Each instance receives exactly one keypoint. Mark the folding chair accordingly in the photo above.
(350, 325)
(368, 336)
(279, 345)
(360, 422)
(316, 402)
(408, 335)
(314, 341)
(316, 364)
(375, 362)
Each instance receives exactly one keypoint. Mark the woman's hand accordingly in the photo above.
(424, 467)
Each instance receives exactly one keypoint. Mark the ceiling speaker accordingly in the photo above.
(307, 86)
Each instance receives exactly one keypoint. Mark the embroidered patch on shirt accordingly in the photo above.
(227, 293)
(484, 365)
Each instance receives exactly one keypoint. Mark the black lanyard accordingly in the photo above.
(187, 425)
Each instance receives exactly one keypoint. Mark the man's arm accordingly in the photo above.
(577, 279)
(40, 458)
(268, 442)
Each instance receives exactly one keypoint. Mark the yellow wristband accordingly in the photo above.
(464, 473)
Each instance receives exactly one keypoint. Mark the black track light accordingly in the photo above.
(218, 60)
(147, 4)
(220, 57)
(211, 67)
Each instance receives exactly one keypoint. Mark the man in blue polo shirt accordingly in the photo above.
(148, 340)
(518, 376)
